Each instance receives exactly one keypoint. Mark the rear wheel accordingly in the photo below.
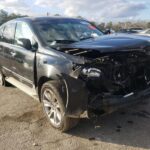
(54, 108)
(2, 79)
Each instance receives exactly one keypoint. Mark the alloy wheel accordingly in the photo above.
(52, 107)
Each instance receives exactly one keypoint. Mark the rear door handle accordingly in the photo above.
(13, 54)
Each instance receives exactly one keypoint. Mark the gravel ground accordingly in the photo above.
(24, 127)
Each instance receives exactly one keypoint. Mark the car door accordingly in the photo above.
(7, 41)
(24, 59)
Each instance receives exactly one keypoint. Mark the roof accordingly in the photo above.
(43, 18)
(30, 19)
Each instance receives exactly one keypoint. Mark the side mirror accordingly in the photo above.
(35, 47)
(26, 43)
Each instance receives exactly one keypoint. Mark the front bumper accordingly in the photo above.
(77, 100)
(113, 102)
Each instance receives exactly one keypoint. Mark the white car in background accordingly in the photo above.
(145, 32)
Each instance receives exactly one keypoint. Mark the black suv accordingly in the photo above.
(72, 68)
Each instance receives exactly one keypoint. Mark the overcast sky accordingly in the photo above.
(96, 10)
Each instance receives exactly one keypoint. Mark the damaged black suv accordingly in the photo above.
(73, 68)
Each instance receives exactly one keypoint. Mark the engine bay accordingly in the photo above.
(119, 73)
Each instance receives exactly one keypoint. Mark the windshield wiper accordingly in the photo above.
(86, 38)
(62, 41)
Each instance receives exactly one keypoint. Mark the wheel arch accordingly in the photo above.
(40, 83)
(44, 79)
(72, 91)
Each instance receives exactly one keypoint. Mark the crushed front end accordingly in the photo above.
(114, 80)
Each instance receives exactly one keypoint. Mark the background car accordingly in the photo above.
(145, 32)
(130, 30)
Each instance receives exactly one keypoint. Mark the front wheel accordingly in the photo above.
(54, 108)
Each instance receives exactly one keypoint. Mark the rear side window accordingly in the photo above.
(8, 34)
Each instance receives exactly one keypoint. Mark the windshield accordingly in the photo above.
(65, 31)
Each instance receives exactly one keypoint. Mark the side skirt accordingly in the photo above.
(28, 90)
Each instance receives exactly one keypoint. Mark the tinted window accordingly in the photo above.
(8, 35)
(23, 31)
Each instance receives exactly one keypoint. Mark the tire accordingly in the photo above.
(2, 79)
(54, 109)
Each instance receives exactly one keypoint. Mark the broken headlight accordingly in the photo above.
(91, 72)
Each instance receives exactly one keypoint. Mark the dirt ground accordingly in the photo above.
(24, 127)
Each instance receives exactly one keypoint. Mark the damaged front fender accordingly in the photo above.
(74, 94)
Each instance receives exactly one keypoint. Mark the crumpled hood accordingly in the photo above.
(114, 42)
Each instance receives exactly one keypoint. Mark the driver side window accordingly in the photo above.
(23, 31)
